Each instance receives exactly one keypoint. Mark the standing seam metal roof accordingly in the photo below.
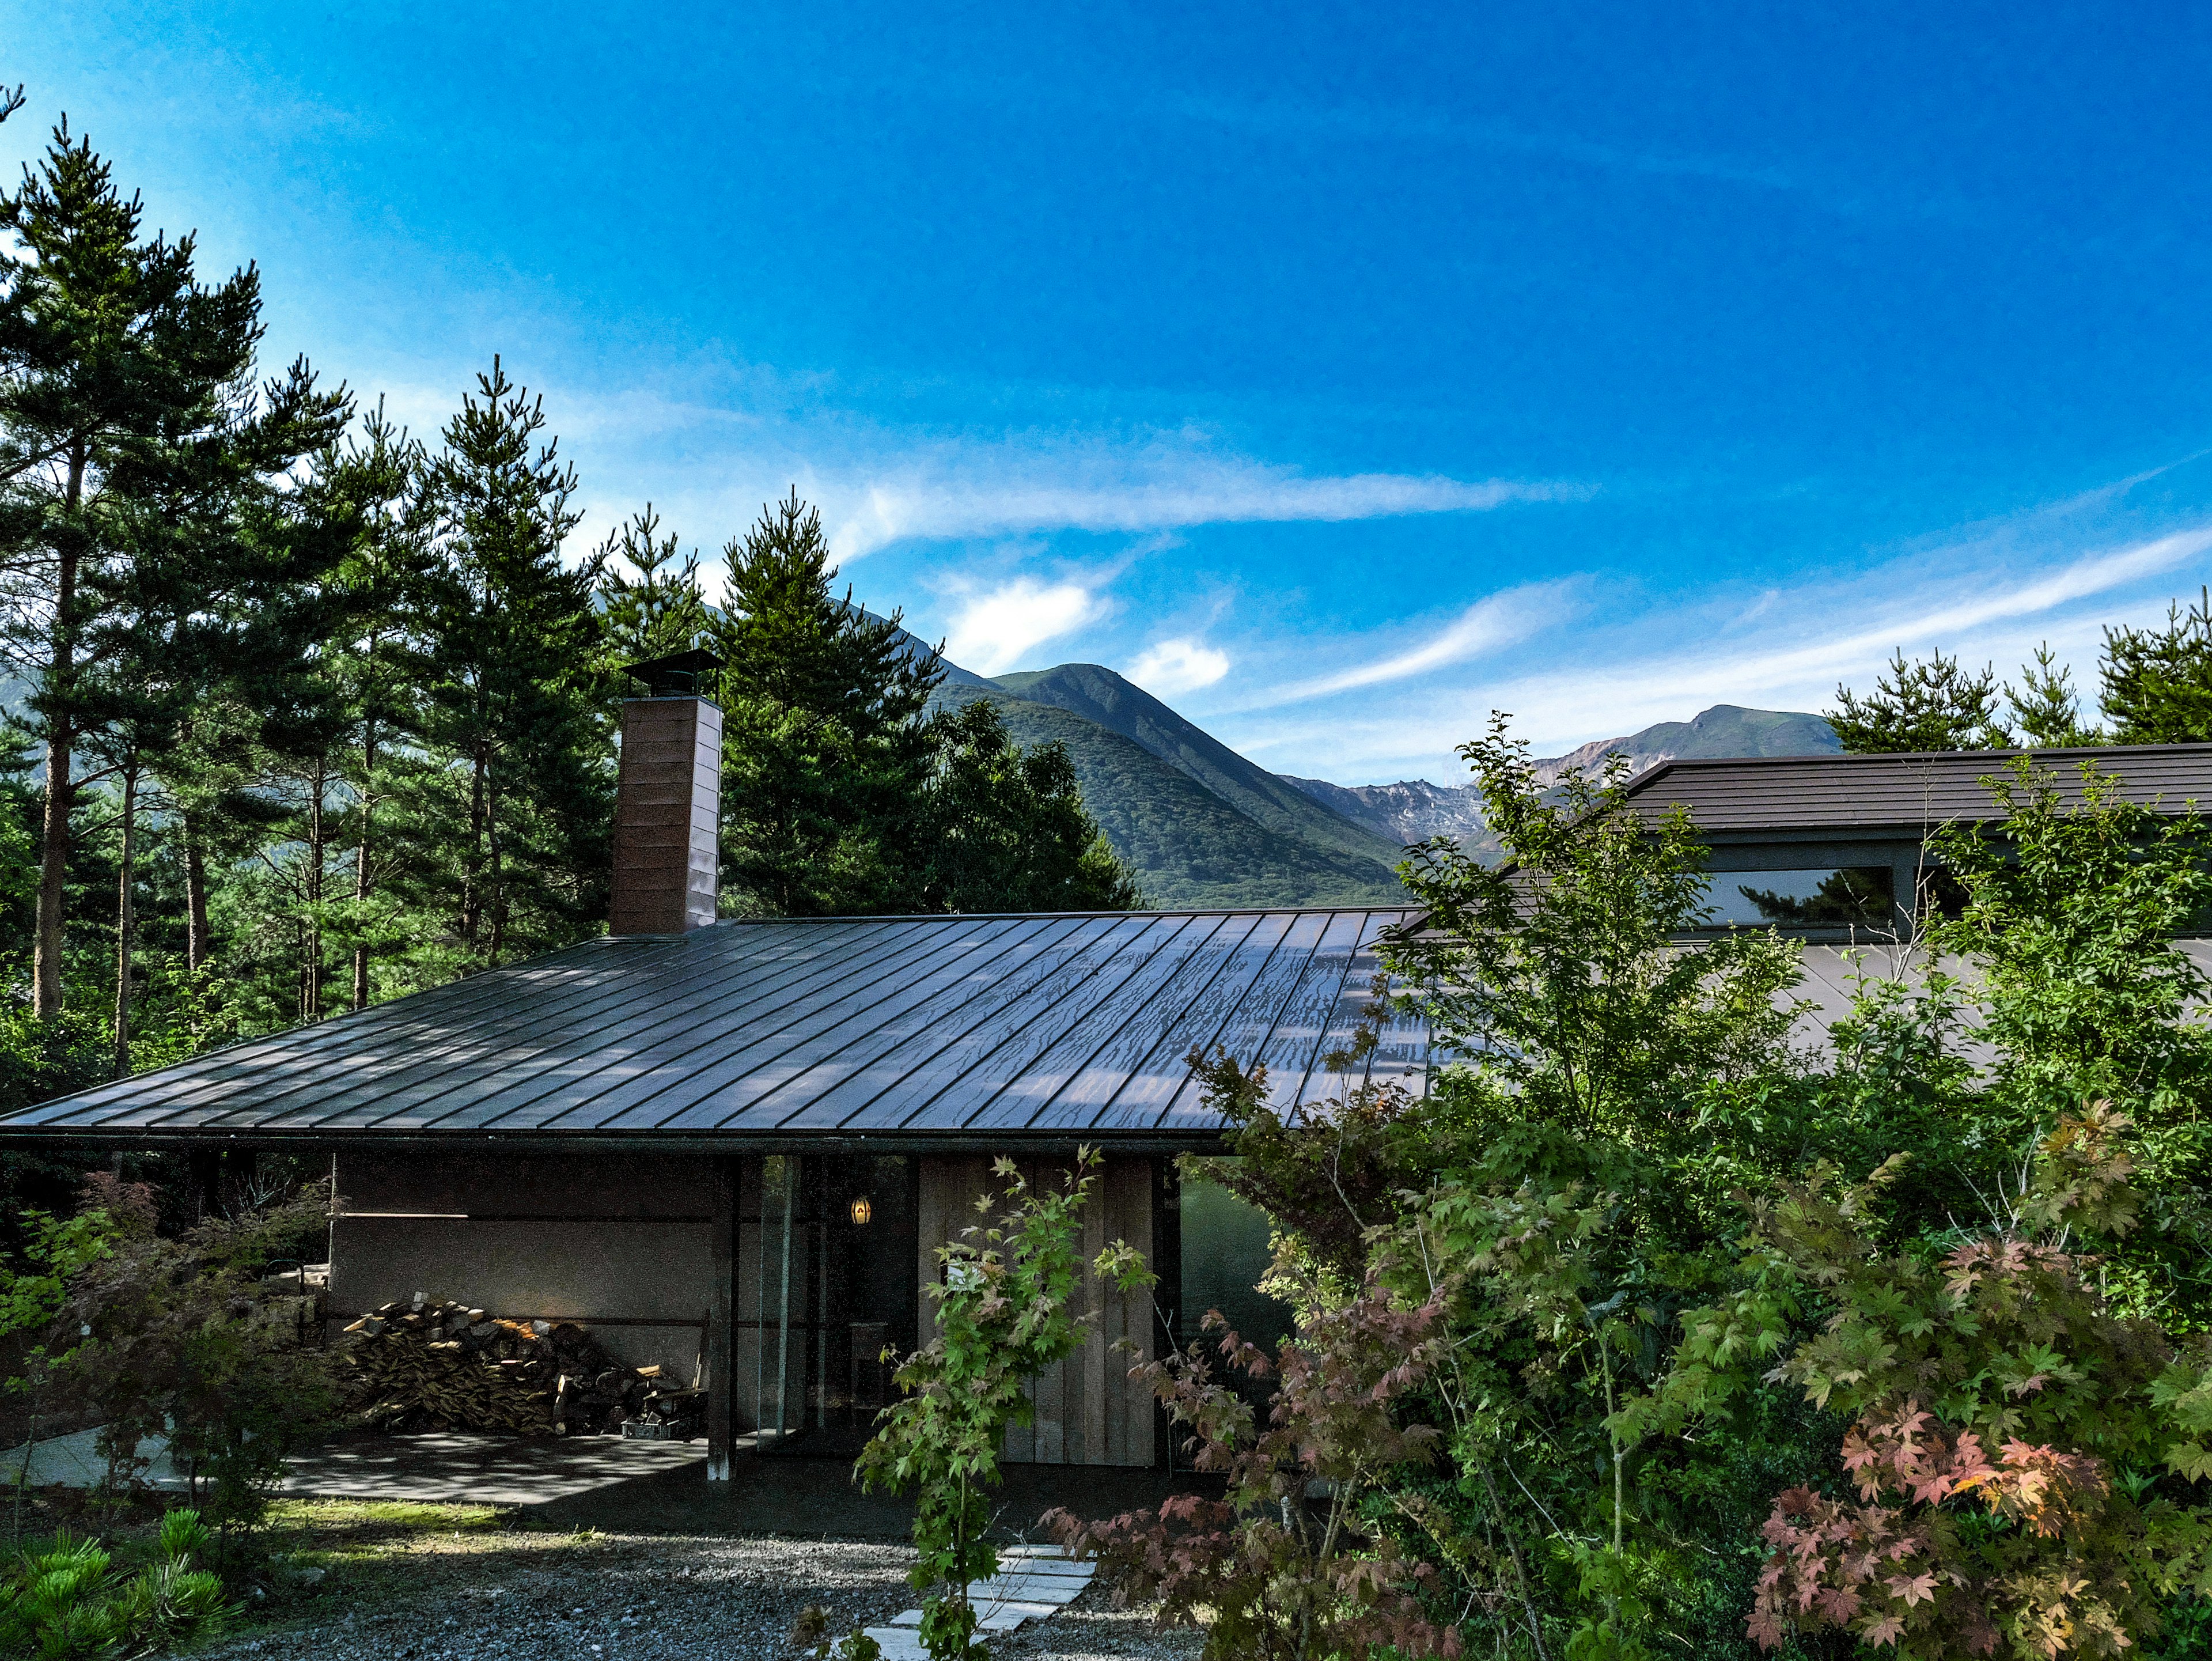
(1921, 789)
(1063, 1025)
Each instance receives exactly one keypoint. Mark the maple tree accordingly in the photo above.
(2021, 1459)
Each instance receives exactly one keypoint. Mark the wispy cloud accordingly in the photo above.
(1790, 650)
(1496, 620)
(1170, 666)
(992, 630)
(1157, 482)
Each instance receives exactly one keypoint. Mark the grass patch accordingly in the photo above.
(385, 1518)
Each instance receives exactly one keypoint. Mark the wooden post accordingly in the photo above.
(721, 1396)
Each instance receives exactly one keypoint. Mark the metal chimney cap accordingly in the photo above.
(677, 675)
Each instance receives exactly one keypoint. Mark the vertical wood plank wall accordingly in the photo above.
(1088, 1413)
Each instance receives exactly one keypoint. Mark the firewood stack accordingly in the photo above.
(434, 1365)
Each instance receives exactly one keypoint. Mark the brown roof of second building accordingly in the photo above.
(1909, 792)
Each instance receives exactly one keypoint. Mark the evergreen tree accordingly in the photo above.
(1007, 829)
(1931, 705)
(214, 600)
(2046, 707)
(515, 710)
(659, 612)
(827, 753)
(110, 353)
(2158, 682)
(378, 661)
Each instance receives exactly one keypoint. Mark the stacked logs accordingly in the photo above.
(428, 1364)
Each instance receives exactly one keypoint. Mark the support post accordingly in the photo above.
(721, 1312)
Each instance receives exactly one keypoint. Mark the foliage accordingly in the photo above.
(1931, 705)
(2158, 682)
(811, 1632)
(2070, 923)
(1335, 1166)
(843, 793)
(2045, 708)
(525, 813)
(174, 1342)
(1002, 1313)
(660, 611)
(1291, 1564)
(67, 1599)
(1560, 969)
(2009, 1426)
(1008, 830)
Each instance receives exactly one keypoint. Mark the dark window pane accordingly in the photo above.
(1855, 896)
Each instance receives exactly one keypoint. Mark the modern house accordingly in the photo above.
(1833, 848)
(734, 1146)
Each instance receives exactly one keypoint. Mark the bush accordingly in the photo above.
(67, 1599)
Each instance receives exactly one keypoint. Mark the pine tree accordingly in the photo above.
(659, 612)
(378, 661)
(214, 600)
(110, 352)
(1931, 705)
(2158, 682)
(2046, 707)
(826, 751)
(1007, 830)
(514, 709)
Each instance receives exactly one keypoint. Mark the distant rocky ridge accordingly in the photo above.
(1202, 826)
(1414, 810)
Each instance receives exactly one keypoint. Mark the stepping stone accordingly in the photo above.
(899, 1643)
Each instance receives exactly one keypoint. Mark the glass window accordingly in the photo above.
(1854, 897)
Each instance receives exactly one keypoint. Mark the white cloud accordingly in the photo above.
(1183, 665)
(1499, 619)
(1808, 638)
(1159, 483)
(993, 629)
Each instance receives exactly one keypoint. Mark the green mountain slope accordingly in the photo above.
(1099, 695)
(1188, 846)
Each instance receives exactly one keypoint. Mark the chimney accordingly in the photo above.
(668, 801)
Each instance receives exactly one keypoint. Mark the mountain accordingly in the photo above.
(1414, 809)
(1099, 695)
(1199, 825)
(1187, 845)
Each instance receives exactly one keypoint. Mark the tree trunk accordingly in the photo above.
(197, 946)
(361, 866)
(471, 885)
(311, 967)
(61, 792)
(496, 888)
(126, 917)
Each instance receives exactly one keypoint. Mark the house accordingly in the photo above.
(1833, 848)
(731, 1147)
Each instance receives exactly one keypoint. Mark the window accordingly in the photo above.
(1853, 896)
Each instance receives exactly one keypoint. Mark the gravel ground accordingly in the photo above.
(495, 1595)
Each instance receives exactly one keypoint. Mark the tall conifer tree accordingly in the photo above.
(826, 750)
(107, 343)
(513, 705)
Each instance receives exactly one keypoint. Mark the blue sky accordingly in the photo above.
(1341, 373)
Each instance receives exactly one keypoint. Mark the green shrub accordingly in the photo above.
(66, 1599)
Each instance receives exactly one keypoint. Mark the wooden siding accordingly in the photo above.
(1088, 1412)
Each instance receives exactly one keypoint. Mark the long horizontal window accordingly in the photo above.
(1851, 897)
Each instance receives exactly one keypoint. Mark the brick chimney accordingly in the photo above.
(668, 801)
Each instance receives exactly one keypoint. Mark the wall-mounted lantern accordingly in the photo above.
(862, 1212)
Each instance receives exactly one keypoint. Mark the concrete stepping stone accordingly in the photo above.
(1031, 1586)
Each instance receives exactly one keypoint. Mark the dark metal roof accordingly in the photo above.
(1903, 793)
(976, 1028)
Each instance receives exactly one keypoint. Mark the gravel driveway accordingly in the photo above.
(495, 1595)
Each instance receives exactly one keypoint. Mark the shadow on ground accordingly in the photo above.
(645, 1487)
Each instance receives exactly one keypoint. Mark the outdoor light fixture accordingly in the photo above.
(862, 1211)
